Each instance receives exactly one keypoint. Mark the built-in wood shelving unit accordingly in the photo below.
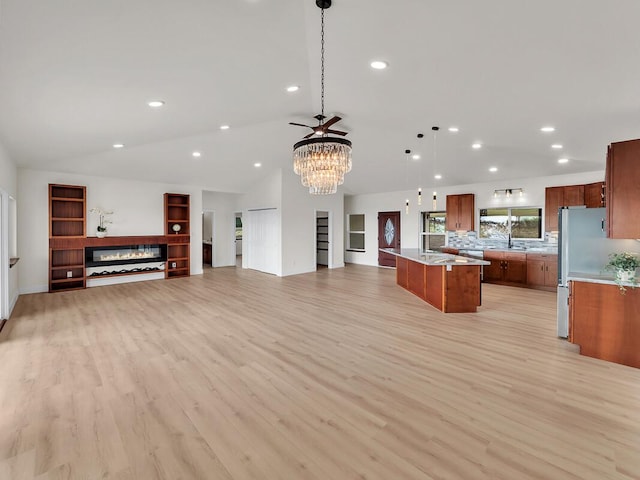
(177, 214)
(67, 220)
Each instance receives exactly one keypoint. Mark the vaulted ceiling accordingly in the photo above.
(76, 76)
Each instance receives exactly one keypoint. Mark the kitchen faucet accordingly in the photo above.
(509, 244)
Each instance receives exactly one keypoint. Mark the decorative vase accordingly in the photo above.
(625, 275)
(101, 234)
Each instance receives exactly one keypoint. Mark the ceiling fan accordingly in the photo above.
(323, 127)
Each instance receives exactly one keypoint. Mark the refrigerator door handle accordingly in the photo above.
(602, 225)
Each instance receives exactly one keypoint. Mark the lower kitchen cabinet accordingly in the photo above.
(509, 268)
(604, 322)
(542, 271)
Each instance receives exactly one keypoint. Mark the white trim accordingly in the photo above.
(5, 308)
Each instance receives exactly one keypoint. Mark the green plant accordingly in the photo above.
(623, 262)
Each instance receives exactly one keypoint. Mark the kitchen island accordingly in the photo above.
(448, 282)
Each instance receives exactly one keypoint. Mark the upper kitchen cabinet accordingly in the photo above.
(594, 195)
(556, 197)
(460, 212)
(623, 189)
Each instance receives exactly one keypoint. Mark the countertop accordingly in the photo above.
(596, 278)
(433, 258)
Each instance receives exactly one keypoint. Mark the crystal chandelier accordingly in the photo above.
(322, 162)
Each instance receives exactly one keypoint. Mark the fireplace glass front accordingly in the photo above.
(124, 255)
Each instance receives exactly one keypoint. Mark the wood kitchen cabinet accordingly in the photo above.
(623, 189)
(460, 212)
(594, 195)
(542, 271)
(605, 323)
(509, 268)
(556, 197)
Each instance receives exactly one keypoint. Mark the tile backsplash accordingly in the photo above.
(470, 240)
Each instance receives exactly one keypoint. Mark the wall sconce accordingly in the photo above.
(508, 192)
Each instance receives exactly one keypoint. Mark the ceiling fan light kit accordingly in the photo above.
(322, 161)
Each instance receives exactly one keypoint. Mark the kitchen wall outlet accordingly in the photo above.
(69, 274)
(173, 264)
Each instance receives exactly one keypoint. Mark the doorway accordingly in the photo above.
(238, 238)
(207, 238)
(323, 236)
(388, 237)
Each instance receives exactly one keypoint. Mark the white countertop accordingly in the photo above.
(433, 259)
(606, 279)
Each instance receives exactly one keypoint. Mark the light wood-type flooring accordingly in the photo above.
(334, 375)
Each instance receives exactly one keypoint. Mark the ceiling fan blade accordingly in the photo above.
(301, 125)
(310, 135)
(336, 132)
(331, 121)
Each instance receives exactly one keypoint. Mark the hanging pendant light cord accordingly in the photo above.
(322, 69)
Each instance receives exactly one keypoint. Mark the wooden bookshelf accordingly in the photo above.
(67, 220)
(177, 214)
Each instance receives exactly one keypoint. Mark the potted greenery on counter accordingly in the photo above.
(624, 266)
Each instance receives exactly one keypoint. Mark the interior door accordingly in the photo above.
(388, 236)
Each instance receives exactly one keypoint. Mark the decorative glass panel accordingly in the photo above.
(389, 232)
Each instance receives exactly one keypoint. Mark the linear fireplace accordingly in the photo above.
(124, 255)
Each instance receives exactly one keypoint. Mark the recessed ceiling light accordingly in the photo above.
(493, 169)
(548, 129)
(293, 88)
(454, 129)
(556, 146)
(118, 145)
(563, 160)
(437, 176)
(155, 103)
(196, 154)
(476, 146)
(379, 64)
(416, 157)
(224, 127)
(257, 164)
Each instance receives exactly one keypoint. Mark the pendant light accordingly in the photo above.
(434, 203)
(420, 135)
(323, 161)
(406, 180)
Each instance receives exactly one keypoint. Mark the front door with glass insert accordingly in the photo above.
(388, 236)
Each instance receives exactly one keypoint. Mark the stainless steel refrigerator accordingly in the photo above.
(582, 249)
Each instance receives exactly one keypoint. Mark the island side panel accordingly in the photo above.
(462, 289)
(402, 269)
(606, 323)
(434, 293)
(416, 279)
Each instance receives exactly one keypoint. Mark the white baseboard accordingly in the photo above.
(34, 289)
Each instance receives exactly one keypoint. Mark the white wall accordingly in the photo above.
(138, 210)
(224, 206)
(299, 225)
(371, 204)
(9, 185)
